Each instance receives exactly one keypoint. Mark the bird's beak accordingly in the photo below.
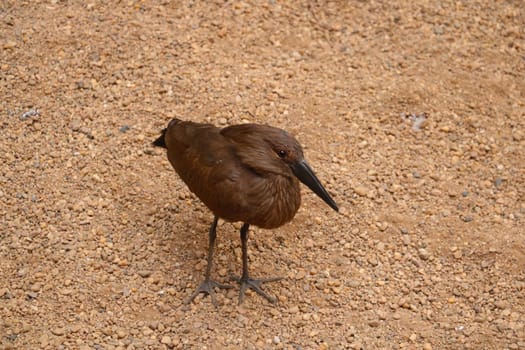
(306, 175)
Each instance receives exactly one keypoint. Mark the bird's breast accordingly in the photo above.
(276, 201)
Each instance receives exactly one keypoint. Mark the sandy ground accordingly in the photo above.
(412, 114)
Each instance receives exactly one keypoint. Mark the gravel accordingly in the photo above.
(101, 243)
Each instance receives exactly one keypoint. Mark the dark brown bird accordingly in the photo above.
(248, 173)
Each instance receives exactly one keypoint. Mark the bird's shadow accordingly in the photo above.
(182, 229)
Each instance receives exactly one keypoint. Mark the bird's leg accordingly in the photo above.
(245, 280)
(208, 284)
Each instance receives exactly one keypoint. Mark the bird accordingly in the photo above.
(247, 173)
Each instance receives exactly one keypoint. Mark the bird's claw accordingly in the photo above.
(255, 285)
(207, 287)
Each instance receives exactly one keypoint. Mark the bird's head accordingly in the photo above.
(266, 149)
(290, 152)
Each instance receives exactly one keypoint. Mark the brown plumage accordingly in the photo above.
(248, 173)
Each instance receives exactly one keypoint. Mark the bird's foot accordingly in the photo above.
(207, 287)
(255, 285)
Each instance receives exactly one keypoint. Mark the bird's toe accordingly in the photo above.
(207, 287)
(255, 285)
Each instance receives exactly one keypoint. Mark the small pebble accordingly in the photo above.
(75, 125)
(423, 254)
(361, 190)
(10, 44)
(166, 340)
(32, 295)
(36, 287)
(381, 314)
(294, 309)
(467, 218)
(300, 274)
(121, 334)
(58, 331)
(29, 114)
(144, 273)
(373, 323)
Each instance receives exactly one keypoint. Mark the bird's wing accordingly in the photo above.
(206, 161)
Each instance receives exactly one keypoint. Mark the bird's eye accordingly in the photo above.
(281, 153)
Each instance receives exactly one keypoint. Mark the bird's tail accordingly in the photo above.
(160, 142)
